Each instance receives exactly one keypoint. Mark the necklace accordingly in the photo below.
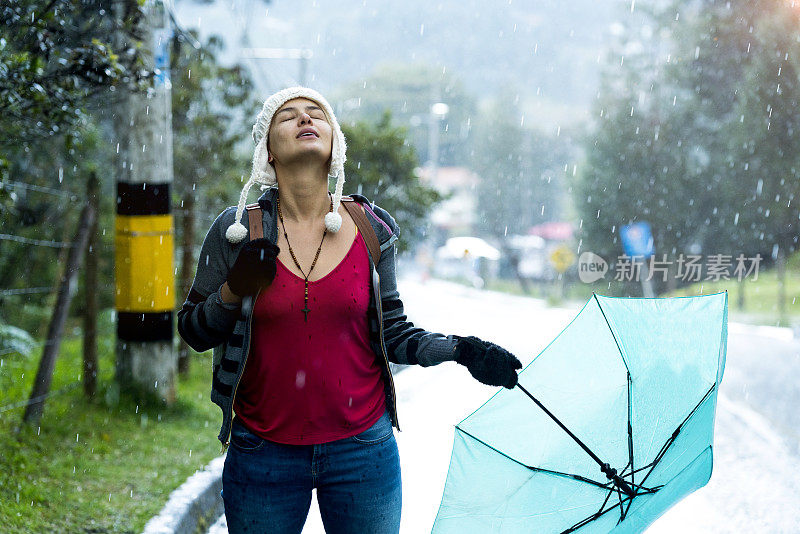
(305, 309)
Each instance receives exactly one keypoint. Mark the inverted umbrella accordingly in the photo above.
(610, 425)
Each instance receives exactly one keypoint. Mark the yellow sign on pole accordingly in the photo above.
(561, 258)
(144, 263)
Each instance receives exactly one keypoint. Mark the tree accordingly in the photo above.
(211, 147)
(764, 145)
(61, 67)
(57, 58)
(212, 109)
(712, 51)
(521, 170)
(663, 144)
(380, 165)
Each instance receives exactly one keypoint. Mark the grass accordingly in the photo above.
(760, 303)
(102, 465)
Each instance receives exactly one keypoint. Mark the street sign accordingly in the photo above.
(162, 40)
(561, 258)
(637, 239)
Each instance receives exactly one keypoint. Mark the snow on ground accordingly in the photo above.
(753, 488)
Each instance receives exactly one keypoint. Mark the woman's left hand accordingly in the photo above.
(488, 363)
(254, 268)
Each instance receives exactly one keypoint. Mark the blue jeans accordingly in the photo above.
(266, 486)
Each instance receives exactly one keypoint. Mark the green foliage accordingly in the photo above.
(61, 62)
(101, 465)
(627, 178)
(765, 135)
(210, 103)
(46, 209)
(58, 56)
(684, 144)
(755, 300)
(212, 110)
(380, 165)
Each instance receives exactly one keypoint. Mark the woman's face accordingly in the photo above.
(300, 131)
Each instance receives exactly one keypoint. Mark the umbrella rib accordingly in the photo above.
(621, 508)
(629, 383)
(591, 518)
(674, 435)
(630, 380)
(579, 478)
(606, 469)
(630, 427)
(625, 500)
(624, 362)
(640, 488)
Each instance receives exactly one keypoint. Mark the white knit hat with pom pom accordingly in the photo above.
(264, 174)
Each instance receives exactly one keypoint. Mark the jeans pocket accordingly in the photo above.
(244, 440)
(377, 433)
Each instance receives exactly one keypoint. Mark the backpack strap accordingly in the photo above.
(254, 216)
(356, 211)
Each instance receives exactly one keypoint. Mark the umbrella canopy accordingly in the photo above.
(631, 389)
(466, 246)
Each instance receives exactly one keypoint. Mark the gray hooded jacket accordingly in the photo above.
(206, 322)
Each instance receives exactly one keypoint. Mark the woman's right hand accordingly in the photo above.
(254, 268)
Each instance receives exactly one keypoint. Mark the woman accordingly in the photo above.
(303, 325)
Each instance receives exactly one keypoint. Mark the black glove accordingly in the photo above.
(487, 362)
(254, 268)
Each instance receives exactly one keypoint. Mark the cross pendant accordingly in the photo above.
(305, 300)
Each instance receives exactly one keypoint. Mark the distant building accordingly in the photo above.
(456, 216)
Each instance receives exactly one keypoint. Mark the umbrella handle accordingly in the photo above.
(612, 475)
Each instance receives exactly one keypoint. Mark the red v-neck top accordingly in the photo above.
(316, 381)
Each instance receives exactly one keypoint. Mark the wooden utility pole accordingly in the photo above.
(146, 363)
(90, 366)
(44, 375)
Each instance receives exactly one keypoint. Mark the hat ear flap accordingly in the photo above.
(260, 162)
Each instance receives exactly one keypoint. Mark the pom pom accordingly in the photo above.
(333, 221)
(236, 232)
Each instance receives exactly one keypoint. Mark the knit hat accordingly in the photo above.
(264, 174)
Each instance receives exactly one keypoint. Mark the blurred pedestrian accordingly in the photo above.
(303, 325)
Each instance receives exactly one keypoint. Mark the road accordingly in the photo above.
(754, 487)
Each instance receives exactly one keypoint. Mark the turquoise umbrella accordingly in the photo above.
(610, 425)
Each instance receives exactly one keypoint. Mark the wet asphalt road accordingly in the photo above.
(764, 373)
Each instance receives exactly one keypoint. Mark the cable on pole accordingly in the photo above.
(41, 189)
(25, 291)
(40, 242)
